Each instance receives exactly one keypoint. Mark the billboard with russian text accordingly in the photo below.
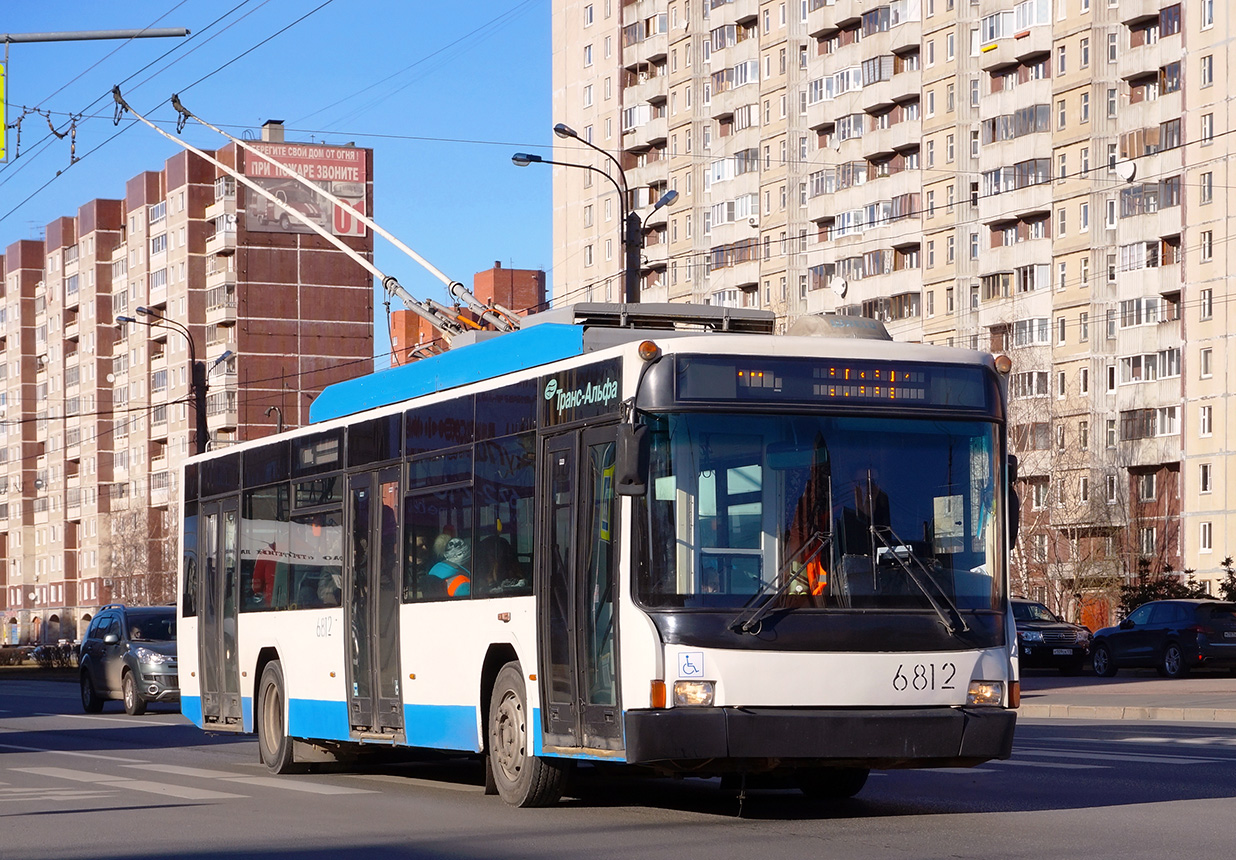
(338, 169)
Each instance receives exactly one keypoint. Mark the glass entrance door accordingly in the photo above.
(217, 596)
(375, 704)
(579, 615)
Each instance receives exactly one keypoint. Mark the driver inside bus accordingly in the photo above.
(452, 569)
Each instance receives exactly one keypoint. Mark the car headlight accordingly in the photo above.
(146, 655)
(693, 693)
(1031, 636)
(1083, 637)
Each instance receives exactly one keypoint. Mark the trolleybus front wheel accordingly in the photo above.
(521, 778)
(274, 745)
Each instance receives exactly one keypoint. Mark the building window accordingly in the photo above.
(1206, 246)
(1083, 435)
(1207, 187)
(1204, 484)
(587, 55)
(1208, 70)
(1206, 304)
(1146, 540)
(1085, 107)
(1204, 362)
(1205, 421)
(1085, 53)
(1204, 538)
(1208, 129)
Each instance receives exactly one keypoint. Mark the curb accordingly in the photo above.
(1116, 712)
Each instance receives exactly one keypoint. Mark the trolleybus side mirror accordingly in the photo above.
(1014, 502)
(631, 468)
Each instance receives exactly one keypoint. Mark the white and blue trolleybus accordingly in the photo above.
(652, 535)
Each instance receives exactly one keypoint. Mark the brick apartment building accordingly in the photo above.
(96, 416)
(1044, 178)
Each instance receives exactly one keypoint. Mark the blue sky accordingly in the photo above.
(443, 92)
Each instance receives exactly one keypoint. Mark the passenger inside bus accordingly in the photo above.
(452, 570)
(496, 567)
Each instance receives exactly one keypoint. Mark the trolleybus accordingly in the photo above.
(649, 535)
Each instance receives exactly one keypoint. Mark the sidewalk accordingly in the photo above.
(1134, 694)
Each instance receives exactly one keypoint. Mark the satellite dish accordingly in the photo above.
(1126, 170)
(111, 377)
(835, 143)
(840, 287)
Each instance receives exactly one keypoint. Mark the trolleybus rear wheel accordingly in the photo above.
(274, 744)
(521, 778)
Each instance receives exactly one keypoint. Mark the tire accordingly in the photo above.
(831, 783)
(521, 778)
(134, 704)
(284, 222)
(1172, 663)
(91, 702)
(274, 746)
(1104, 665)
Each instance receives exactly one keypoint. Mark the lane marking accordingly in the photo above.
(101, 779)
(135, 722)
(1129, 757)
(308, 787)
(961, 770)
(1058, 765)
(71, 753)
(197, 772)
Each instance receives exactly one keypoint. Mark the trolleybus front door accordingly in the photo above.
(371, 595)
(218, 585)
(579, 592)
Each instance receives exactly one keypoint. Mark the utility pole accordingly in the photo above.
(71, 36)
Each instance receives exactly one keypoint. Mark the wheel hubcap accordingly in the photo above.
(272, 722)
(510, 736)
(1172, 661)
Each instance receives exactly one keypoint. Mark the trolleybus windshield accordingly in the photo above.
(862, 513)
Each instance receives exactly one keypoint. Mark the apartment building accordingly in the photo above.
(98, 416)
(1043, 178)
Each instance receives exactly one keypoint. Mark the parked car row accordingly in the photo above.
(1172, 636)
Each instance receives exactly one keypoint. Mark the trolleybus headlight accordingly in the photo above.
(985, 693)
(693, 693)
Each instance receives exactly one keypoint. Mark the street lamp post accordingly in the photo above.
(197, 371)
(632, 225)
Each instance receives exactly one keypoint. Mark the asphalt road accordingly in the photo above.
(112, 786)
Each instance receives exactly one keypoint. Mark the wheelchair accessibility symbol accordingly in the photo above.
(690, 664)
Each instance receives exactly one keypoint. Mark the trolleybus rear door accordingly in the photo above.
(371, 596)
(578, 620)
(218, 599)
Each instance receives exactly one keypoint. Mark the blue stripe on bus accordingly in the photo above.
(442, 727)
(318, 718)
(191, 710)
(246, 714)
(507, 353)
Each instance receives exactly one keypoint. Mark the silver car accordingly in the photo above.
(129, 653)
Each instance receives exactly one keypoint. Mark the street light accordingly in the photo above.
(632, 225)
(197, 370)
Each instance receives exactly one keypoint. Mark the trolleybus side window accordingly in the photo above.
(265, 549)
(505, 504)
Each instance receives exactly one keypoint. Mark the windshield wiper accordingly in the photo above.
(949, 614)
(751, 623)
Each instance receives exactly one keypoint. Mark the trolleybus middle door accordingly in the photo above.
(371, 598)
(218, 599)
(578, 600)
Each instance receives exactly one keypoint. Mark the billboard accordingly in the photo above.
(338, 169)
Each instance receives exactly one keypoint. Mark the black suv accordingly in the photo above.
(129, 653)
(1045, 640)
(1173, 636)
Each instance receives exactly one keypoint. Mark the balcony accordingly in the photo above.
(222, 412)
(222, 242)
(897, 137)
(1139, 10)
(221, 304)
(1147, 59)
(653, 131)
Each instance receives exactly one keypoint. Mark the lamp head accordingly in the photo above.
(146, 312)
(523, 159)
(667, 199)
(563, 130)
(122, 320)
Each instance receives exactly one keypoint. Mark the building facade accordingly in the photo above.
(97, 416)
(1045, 178)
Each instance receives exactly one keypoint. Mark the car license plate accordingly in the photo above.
(1062, 651)
(1229, 634)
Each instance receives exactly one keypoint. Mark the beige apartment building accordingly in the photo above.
(95, 417)
(1044, 178)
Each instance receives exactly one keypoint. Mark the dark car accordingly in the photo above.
(1047, 641)
(1173, 636)
(129, 653)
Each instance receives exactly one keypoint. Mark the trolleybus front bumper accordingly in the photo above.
(882, 738)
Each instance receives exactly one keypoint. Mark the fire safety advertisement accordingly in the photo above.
(337, 169)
